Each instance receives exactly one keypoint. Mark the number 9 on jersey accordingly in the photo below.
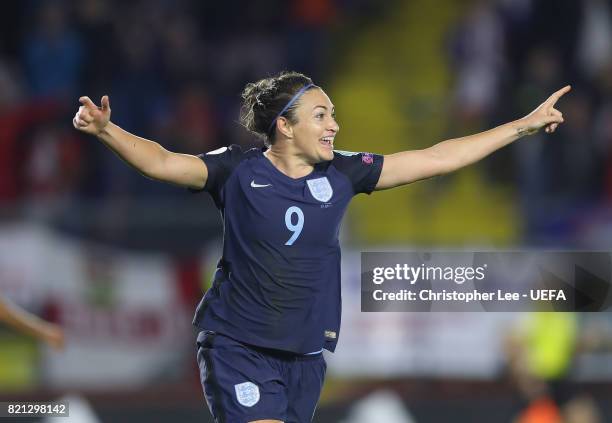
(297, 228)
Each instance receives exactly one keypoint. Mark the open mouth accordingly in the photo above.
(328, 142)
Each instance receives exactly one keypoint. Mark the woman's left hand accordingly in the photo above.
(545, 115)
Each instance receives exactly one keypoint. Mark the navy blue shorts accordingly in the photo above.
(243, 383)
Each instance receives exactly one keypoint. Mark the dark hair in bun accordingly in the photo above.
(263, 100)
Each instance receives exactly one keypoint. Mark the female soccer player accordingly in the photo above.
(275, 300)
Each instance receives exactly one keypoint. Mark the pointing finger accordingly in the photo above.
(557, 95)
(86, 101)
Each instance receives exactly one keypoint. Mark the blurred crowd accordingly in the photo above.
(507, 57)
(173, 70)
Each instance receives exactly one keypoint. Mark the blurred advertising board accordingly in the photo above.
(122, 311)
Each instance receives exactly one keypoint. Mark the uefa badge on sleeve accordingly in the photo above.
(367, 158)
(320, 189)
(247, 393)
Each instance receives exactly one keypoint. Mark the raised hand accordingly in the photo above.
(90, 118)
(545, 115)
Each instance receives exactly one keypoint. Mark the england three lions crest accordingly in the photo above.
(320, 189)
(247, 393)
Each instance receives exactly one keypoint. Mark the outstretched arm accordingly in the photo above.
(448, 156)
(148, 157)
(31, 324)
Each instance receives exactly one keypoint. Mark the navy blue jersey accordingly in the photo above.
(278, 282)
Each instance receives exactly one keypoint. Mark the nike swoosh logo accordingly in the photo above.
(254, 185)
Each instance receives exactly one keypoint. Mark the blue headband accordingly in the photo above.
(293, 100)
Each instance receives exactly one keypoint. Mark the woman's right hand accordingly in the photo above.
(90, 118)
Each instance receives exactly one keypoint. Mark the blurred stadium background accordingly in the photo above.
(120, 261)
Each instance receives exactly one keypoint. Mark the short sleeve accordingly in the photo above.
(220, 163)
(362, 169)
